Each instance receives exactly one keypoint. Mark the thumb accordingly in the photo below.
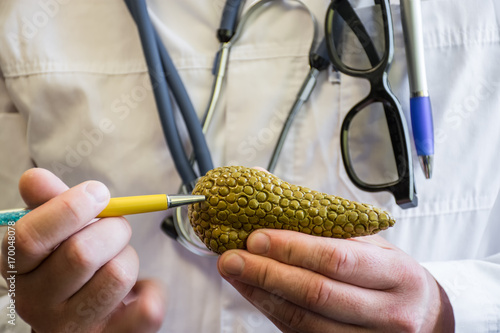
(38, 186)
(145, 311)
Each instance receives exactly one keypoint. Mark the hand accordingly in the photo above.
(73, 275)
(304, 283)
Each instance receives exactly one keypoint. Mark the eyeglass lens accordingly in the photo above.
(370, 146)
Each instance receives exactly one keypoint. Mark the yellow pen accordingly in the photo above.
(121, 206)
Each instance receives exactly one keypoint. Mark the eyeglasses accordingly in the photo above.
(374, 136)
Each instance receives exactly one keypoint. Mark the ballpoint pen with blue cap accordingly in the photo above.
(420, 105)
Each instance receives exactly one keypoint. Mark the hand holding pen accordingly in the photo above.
(119, 206)
(61, 262)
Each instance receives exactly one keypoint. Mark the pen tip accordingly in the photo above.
(177, 200)
(426, 163)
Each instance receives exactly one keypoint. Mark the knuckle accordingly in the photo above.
(403, 320)
(296, 317)
(338, 262)
(28, 241)
(288, 250)
(69, 210)
(247, 290)
(410, 315)
(264, 275)
(412, 277)
(319, 293)
(418, 277)
(120, 276)
(78, 254)
(150, 318)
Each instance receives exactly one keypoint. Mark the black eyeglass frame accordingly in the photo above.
(403, 188)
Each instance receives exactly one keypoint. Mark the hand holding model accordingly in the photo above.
(74, 275)
(305, 283)
(312, 284)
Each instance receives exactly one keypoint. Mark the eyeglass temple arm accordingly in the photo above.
(398, 142)
(352, 19)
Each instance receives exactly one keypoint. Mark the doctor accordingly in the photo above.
(75, 99)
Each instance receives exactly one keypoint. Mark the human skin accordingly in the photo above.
(73, 275)
(304, 283)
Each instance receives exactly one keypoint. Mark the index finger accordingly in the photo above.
(38, 186)
(346, 260)
(41, 230)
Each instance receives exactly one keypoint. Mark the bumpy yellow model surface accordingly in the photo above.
(241, 200)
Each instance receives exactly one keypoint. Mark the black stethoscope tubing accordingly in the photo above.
(164, 76)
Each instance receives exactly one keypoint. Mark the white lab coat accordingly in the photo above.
(75, 98)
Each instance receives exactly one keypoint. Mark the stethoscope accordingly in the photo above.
(166, 81)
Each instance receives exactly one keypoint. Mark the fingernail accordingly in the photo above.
(98, 191)
(233, 264)
(258, 243)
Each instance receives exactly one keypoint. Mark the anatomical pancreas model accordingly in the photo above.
(241, 200)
